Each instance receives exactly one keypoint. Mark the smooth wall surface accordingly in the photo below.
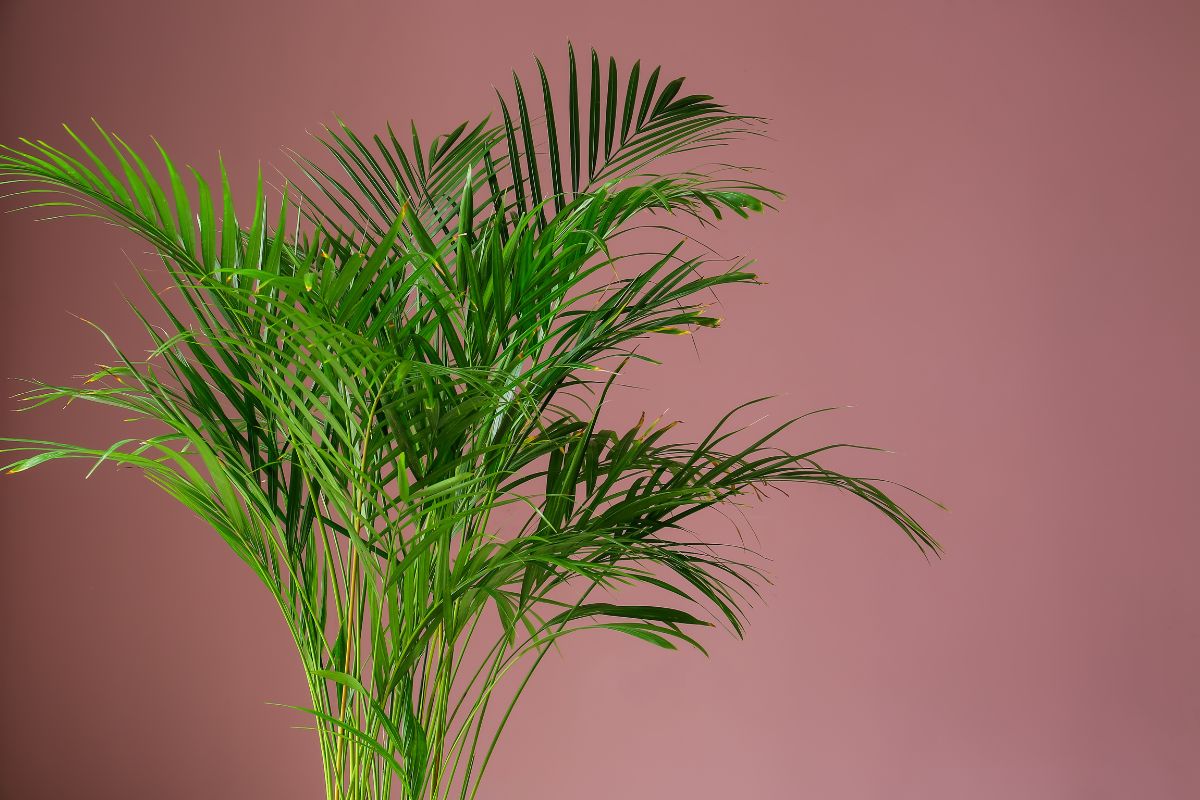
(989, 249)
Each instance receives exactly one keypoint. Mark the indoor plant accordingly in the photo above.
(384, 393)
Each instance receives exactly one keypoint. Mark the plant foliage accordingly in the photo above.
(383, 391)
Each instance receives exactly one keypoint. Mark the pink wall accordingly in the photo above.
(989, 249)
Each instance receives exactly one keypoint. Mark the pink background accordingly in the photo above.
(990, 250)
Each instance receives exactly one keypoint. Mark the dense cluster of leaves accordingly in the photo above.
(385, 394)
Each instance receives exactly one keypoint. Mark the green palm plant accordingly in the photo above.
(385, 393)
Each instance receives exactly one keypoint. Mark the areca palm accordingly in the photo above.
(384, 392)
